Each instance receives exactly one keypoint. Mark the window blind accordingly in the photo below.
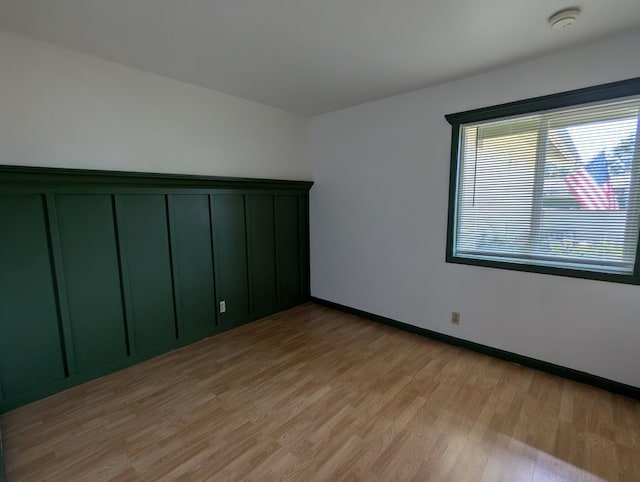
(555, 188)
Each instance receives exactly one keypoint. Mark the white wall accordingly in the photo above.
(59, 108)
(379, 220)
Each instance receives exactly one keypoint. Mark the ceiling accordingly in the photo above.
(312, 56)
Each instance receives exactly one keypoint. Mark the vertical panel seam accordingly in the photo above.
(56, 291)
(173, 266)
(247, 237)
(123, 268)
(216, 292)
(301, 246)
(62, 299)
(276, 258)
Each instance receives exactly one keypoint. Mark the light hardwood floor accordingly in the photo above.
(315, 394)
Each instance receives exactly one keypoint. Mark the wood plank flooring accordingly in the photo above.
(315, 394)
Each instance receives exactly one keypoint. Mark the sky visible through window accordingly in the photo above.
(593, 138)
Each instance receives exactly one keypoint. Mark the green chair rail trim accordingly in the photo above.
(82, 177)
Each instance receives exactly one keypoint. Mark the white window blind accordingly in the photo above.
(556, 188)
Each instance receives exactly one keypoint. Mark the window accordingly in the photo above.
(550, 184)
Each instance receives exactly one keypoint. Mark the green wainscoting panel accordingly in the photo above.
(288, 249)
(230, 254)
(303, 229)
(262, 253)
(92, 278)
(30, 344)
(100, 270)
(193, 264)
(146, 268)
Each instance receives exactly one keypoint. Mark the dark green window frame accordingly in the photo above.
(611, 91)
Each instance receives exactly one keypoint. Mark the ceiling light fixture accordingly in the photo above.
(564, 18)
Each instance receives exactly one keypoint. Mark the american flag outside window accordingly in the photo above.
(591, 185)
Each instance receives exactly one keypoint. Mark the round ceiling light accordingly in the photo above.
(564, 18)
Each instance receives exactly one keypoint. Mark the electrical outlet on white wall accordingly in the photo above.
(455, 317)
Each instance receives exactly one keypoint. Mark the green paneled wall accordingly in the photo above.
(146, 270)
(193, 264)
(100, 270)
(92, 278)
(262, 253)
(230, 251)
(288, 249)
(30, 344)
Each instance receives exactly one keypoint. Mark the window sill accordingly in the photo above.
(549, 270)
